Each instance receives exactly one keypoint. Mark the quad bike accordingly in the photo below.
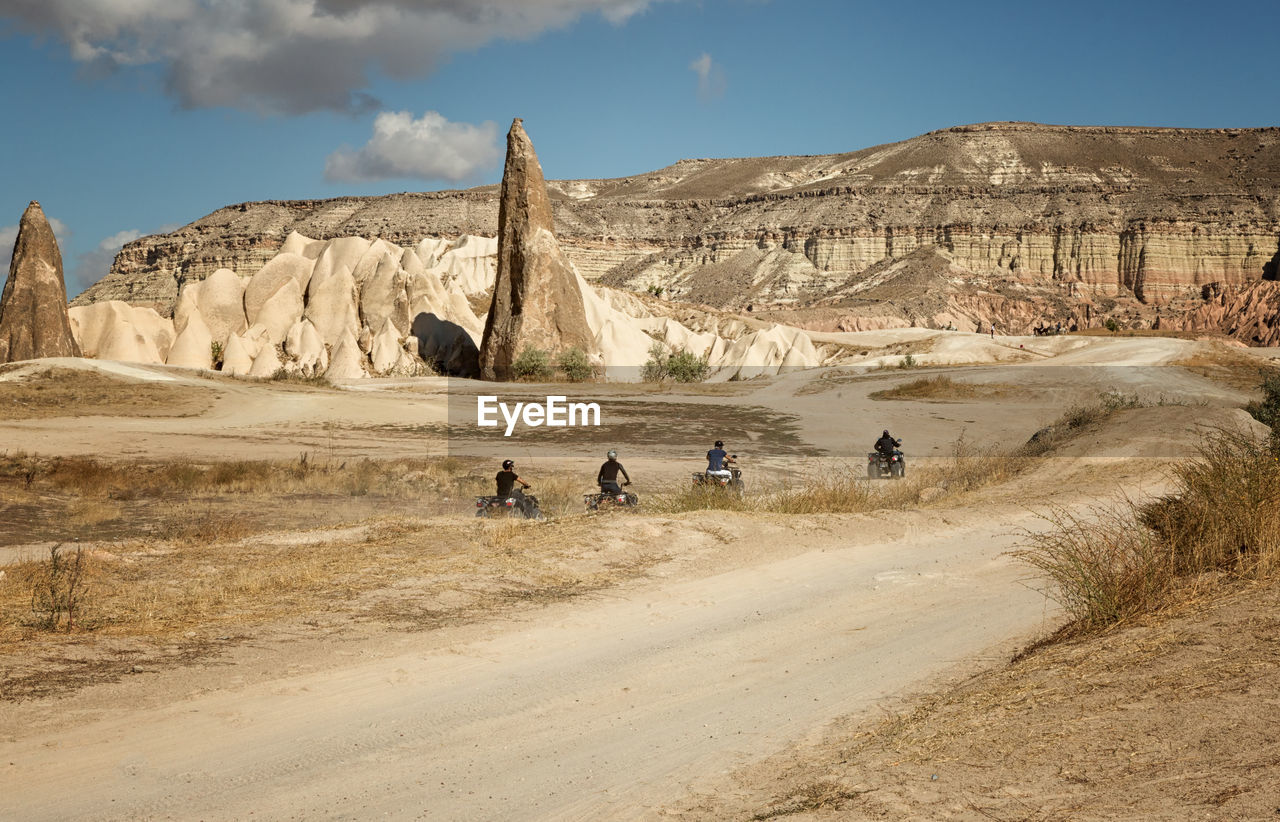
(609, 499)
(733, 482)
(886, 465)
(526, 506)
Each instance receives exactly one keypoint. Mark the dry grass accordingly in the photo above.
(68, 392)
(831, 489)
(942, 388)
(1229, 366)
(1221, 522)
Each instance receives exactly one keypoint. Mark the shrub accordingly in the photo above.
(532, 364)
(1222, 519)
(1111, 325)
(575, 365)
(215, 351)
(908, 361)
(655, 370)
(60, 589)
(685, 367)
(1267, 411)
(655, 290)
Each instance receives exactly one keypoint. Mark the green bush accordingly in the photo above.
(908, 361)
(655, 370)
(1111, 325)
(682, 366)
(685, 367)
(532, 364)
(575, 365)
(1267, 411)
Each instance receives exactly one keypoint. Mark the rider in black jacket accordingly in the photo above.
(607, 478)
(886, 444)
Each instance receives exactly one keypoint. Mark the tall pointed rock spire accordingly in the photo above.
(33, 308)
(536, 299)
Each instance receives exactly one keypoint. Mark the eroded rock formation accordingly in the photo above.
(33, 307)
(1142, 213)
(537, 302)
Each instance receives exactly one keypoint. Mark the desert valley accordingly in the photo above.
(244, 573)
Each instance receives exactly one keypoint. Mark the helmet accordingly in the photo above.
(886, 433)
(719, 444)
(507, 464)
(613, 455)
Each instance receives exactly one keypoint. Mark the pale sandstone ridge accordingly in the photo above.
(33, 308)
(537, 303)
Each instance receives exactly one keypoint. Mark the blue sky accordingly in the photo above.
(128, 117)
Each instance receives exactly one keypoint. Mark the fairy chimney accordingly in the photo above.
(33, 308)
(536, 299)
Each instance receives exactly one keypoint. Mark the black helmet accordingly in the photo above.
(719, 444)
(506, 464)
(886, 433)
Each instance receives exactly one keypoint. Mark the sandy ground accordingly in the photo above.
(614, 706)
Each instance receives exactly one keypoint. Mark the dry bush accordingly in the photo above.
(1222, 521)
(59, 588)
(942, 387)
(1102, 567)
(1224, 513)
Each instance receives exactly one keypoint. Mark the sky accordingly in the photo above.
(134, 117)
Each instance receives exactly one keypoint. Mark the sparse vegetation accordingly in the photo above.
(60, 589)
(656, 290)
(532, 365)
(1267, 410)
(909, 361)
(1111, 325)
(215, 352)
(68, 392)
(575, 365)
(1222, 521)
(680, 366)
(942, 387)
(298, 378)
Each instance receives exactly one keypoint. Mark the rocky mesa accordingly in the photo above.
(1152, 215)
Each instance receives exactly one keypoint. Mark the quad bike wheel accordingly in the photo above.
(898, 470)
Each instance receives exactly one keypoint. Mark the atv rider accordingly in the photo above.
(886, 444)
(718, 462)
(507, 479)
(607, 478)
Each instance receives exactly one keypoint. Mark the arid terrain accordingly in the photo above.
(289, 610)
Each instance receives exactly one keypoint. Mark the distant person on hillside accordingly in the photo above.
(607, 477)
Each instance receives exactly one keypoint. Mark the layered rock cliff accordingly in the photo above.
(1152, 214)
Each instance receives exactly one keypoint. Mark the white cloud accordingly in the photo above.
(291, 56)
(429, 148)
(92, 266)
(711, 78)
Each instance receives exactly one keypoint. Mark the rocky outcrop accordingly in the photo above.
(537, 302)
(33, 307)
(1151, 214)
(1250, 314)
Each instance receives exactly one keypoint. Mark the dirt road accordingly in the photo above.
(602, 708)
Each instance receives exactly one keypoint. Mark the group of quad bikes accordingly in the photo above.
(879, 466)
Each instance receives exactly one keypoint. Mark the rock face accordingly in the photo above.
(1143, 213)
(537, 302)
(1250, 314)
(33, 308)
